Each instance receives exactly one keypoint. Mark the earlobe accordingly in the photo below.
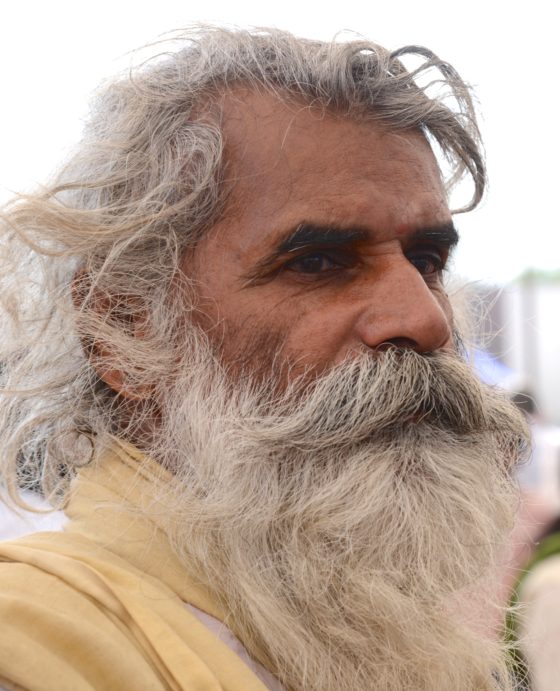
(114, 378)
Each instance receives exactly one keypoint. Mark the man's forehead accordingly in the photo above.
(269, 119)
(279, 138)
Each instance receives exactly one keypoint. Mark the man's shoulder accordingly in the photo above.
(77, 616)
(55, 635)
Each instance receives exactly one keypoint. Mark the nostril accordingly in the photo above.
(399, 342)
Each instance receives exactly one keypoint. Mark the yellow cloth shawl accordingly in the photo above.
(101, 604)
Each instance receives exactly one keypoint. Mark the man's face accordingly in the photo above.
(333, 239)
(319, 514)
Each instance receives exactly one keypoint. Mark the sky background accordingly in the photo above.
(54, 54)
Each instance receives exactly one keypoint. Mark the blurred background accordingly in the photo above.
(53, 55)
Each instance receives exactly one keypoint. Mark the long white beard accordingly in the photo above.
(339, 519)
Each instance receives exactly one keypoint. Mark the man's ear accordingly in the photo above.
(116, 379)
(103, 307)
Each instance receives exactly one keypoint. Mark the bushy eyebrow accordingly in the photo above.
(312, 235)
(444, 235)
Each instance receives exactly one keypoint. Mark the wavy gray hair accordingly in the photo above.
(143, 186)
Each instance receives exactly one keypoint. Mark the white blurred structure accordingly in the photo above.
(521, 327)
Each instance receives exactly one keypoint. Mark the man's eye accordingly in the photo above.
(315, 263)
(428, 263)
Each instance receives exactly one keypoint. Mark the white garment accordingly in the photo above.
(221, 631)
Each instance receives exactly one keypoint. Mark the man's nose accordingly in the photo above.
(407, 312)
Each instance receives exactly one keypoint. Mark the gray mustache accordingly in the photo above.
(374, 397)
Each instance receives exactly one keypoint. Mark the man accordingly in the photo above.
(230, 355)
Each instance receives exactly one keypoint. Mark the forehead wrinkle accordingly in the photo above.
(246, 136)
